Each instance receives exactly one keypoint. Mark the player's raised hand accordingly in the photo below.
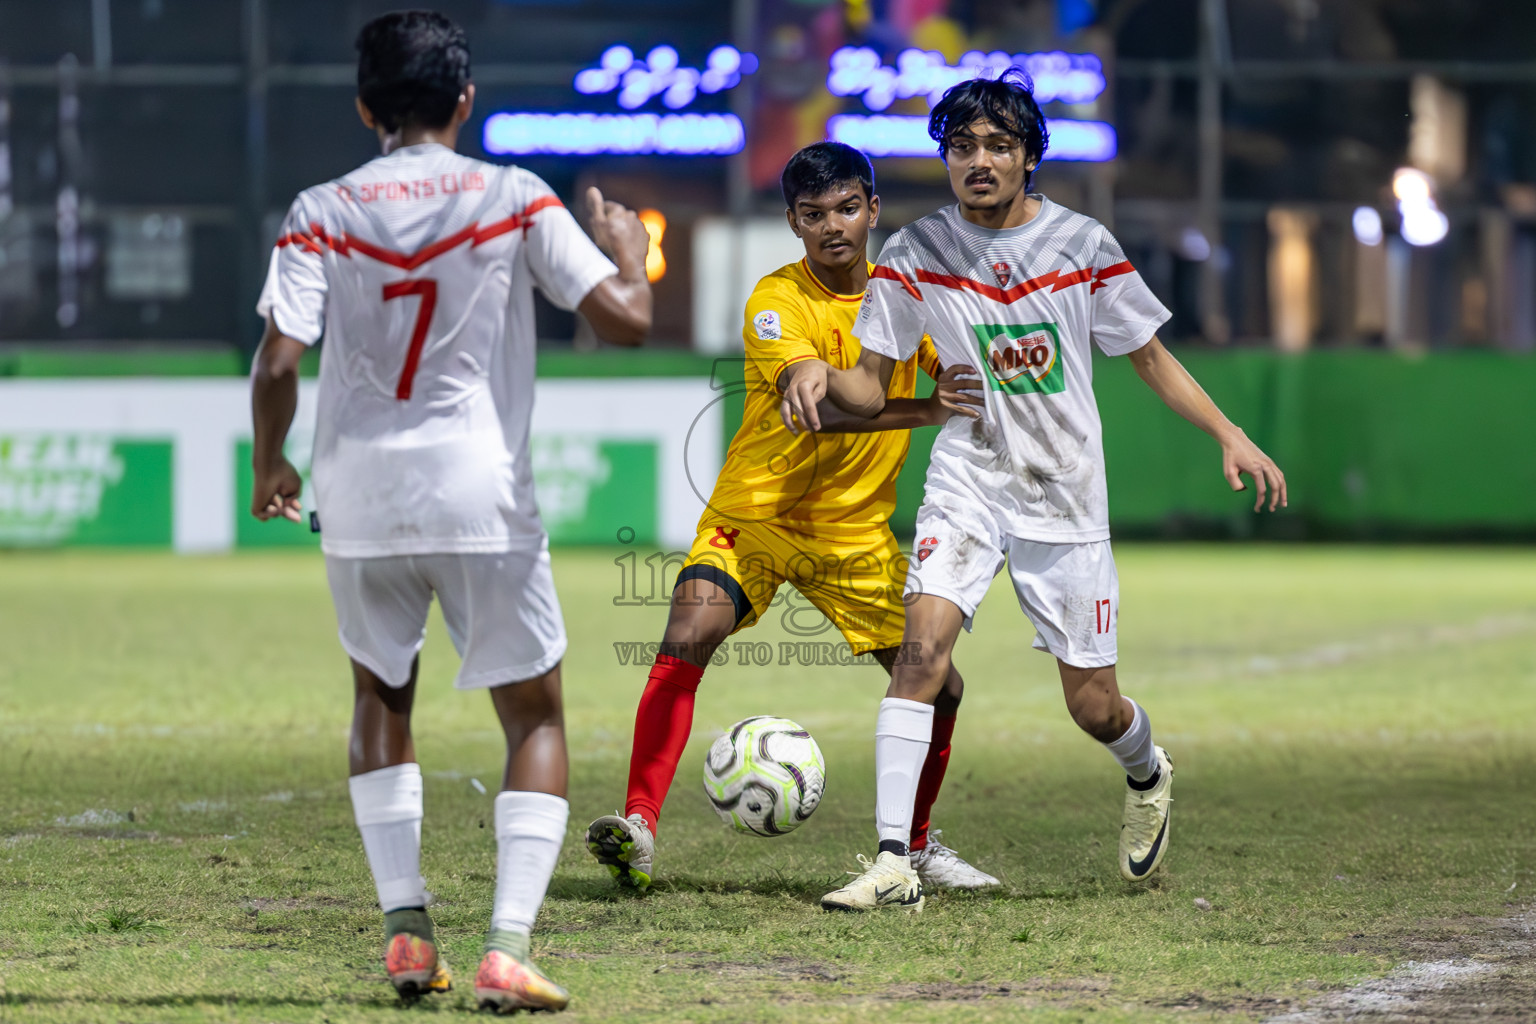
(617, 230)
(958, 391)
(276, 492)
(807, 385)
(1239, 456)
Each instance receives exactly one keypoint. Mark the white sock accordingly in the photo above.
(387, 805)
(1134, 750)
(902, 732)
(530, 828)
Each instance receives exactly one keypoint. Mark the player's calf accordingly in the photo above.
(1093, 696)
(1095, 703)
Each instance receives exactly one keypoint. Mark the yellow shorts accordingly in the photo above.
(857, 584)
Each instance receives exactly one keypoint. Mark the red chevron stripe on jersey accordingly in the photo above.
(896, 275)
(1055, 280)
(318, 240)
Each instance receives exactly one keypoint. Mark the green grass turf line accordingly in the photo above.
(1352, 729)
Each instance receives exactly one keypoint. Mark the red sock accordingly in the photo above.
(662, 724)
(931, 779)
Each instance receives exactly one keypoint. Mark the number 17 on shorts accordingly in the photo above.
(1071, 594)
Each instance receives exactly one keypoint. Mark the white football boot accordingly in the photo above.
(1144, 829)
(887, 881)
(626, 847)
(939, 867)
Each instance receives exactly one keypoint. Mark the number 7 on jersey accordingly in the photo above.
(426, 287)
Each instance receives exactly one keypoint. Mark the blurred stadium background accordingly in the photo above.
(1337, 201)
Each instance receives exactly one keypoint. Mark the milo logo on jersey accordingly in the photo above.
(1024, 359)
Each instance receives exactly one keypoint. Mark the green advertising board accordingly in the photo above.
(84, 488)
(591, 488)
(1375, 445)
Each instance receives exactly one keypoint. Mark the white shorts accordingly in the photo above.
(501, 611)
(1070, 592)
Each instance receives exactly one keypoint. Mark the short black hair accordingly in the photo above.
(412, 67)
(821, 166)
(1008, 101)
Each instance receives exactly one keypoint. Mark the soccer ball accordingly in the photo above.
(765, 776)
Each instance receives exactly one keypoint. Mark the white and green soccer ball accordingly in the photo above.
(765, 776)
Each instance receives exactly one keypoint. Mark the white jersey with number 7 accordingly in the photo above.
(418, 268)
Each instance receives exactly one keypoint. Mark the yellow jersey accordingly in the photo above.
(831, 485)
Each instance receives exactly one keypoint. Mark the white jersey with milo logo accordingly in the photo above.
(1021, 305)
(418, 268)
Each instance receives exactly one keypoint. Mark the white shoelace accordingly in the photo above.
(1161, 801)
(1148, 812)
(939, 850)
(865, 863)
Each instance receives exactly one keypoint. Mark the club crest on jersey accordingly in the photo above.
(925, 548)
(1022, 359)
(767, 324)
(1002, 273)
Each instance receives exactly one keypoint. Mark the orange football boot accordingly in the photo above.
(508, 980)
(410, 957)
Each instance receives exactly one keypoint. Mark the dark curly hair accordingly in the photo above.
(412, 66)
(1008, 101)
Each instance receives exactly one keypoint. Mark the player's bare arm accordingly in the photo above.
(955, 394)
(619, 307)
(859, 390)
(1180, 392)
(274, 395)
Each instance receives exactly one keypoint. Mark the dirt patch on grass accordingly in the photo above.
(1462, 970)
(963, 992)
(559, 954)
(289, 903)
(1255, 1006)
(783, 968)
(1472, 969)
(1032, 992)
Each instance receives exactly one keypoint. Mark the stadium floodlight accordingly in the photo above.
(1367, 224)
(655, 224)
(1422, 221)
(1058, 76)
(1194, 246)
(1423, 224)
(1411, 185)
(574, 134)
(663, 74)
(907, 135)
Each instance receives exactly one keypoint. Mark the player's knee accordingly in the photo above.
(919, 680)
(1096, 715)
(529, 703)
(948, 700)
(694, 632)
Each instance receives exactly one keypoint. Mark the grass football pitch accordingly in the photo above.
(1353, 732)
